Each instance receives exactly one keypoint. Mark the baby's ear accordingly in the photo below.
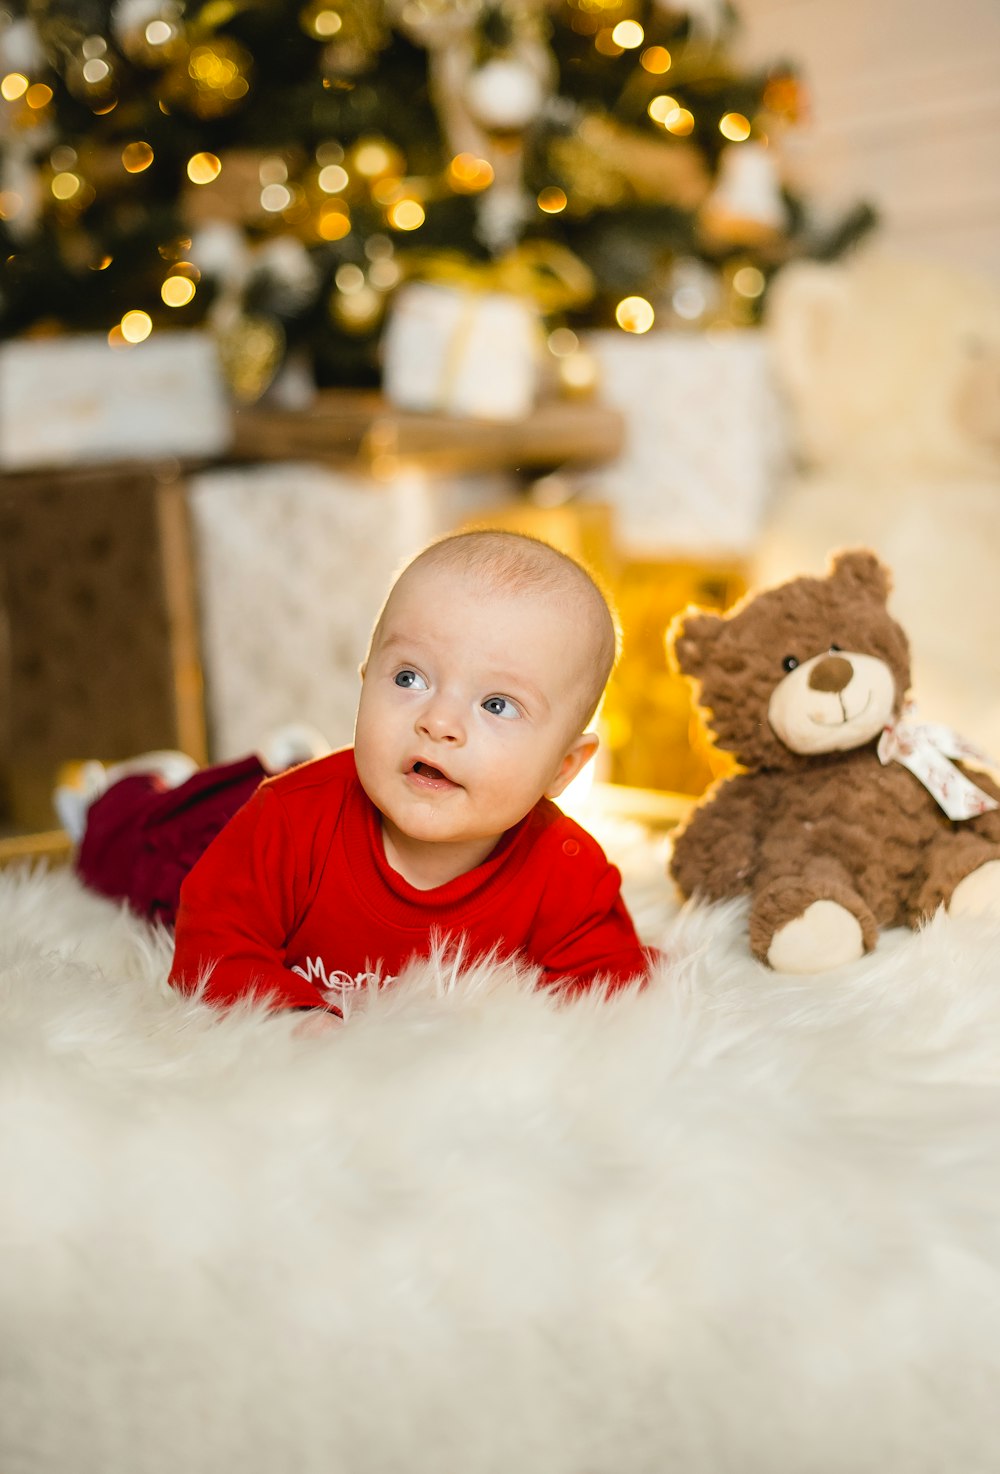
(690, 639)
(575, 759)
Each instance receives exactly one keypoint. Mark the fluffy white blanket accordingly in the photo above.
(734, 1222)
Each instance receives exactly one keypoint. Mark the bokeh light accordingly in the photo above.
(136, 326)
(203, 168)
(634, 315)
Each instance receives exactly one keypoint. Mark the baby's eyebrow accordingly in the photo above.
(517, 685)
(396, 642)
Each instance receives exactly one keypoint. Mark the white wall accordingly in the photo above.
(904, 110)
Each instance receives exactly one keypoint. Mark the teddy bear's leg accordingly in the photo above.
(978, 893)
(826, 935)
(810, 922)
(962, 872)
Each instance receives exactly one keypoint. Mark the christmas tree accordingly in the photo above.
(275, 168)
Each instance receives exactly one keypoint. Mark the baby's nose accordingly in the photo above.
(442, 721)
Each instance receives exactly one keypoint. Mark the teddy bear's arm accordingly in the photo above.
(714, 853)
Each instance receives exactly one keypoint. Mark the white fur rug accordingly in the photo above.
(731, 1223)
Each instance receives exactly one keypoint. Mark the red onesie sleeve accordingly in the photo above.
(237, 909)
(583, 931)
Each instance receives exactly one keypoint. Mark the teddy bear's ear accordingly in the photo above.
(859, 566)
(690, 638)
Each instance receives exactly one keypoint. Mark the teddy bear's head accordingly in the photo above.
(816, 665)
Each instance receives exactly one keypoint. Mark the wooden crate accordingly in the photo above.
(98, 600)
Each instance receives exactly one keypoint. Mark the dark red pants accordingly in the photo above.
(142, 838)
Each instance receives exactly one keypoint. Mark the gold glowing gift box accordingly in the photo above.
(650, 723)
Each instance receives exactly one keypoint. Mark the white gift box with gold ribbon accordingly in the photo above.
(706, 440)
(461, 351)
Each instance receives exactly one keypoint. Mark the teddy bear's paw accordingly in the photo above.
(978, 893)
(825, 936)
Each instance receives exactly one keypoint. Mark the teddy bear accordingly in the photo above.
(825, 821)
(889, 369)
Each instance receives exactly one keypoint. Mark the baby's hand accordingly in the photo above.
(316, 1023)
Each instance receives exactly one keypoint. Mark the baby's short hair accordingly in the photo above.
(515, 561)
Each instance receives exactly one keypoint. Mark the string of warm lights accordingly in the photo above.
(150, 170)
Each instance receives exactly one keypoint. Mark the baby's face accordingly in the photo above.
(468, 708)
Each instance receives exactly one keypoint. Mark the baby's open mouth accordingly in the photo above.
(426, 770)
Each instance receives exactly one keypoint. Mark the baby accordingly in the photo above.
(485, 668)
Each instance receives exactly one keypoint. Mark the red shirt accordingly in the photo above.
(295, 899)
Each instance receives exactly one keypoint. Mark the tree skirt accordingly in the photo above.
(734, 1222)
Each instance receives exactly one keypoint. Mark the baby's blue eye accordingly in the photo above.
(499, 706)
(410, 680)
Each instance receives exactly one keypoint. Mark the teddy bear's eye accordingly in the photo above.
(789, 663)
(836, 649)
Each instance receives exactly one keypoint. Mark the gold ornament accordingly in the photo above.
(354, 31)
(338, 22)
(357, 312)
(233, 195)
(602, 164)
(578, 374)
(211, 80)
(78, 250)
(786, 98)
(375, 158)
(251, 348)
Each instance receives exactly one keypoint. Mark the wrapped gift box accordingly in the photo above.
(461, 351)
(705, 441)
(64, 401)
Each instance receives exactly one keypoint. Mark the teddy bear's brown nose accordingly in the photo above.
(831, 674)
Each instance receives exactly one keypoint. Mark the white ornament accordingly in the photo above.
(221, 251)
(693, 290)
(20, 48)
(505, 94)
(748, 188)
(500, 215)
(292, 273)
(132, 16)
(20, 180)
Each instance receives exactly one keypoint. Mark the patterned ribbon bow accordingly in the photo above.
(926, 749)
